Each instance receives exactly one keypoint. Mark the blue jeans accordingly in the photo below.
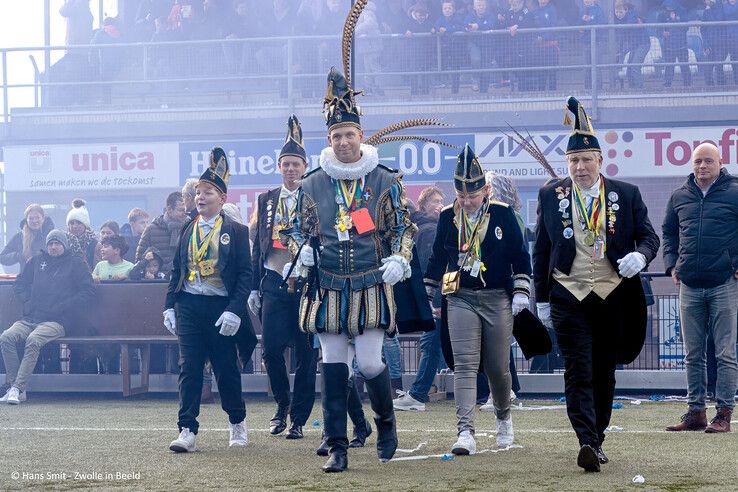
(711, 311)
(430, 360)
(393, 356)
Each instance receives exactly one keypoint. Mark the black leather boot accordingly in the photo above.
(279, 422)
(323, 449)
(362, 428)
(334, 380)
(380, 395)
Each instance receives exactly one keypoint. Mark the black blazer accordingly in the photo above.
(263, 238)
(631, 231)
(234, 263)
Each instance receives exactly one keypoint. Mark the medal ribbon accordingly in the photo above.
(198, 245)
(591, 217)
(468, 228)
(288, 215)
(350, 193)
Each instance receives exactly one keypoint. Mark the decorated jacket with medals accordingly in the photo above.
(497, 253)
(620, 227)
(231, 263)
(275, 213)
(359, 214)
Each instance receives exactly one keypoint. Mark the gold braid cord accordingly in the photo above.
(402, 125)
(348, 33)
(531, 147)
(399, 138)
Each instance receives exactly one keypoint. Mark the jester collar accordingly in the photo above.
(338, 170)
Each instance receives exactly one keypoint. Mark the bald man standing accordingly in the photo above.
(701, 254)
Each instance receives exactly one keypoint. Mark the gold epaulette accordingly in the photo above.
(447, 207)
(496, 202)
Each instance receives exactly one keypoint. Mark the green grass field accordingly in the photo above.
(47, 436)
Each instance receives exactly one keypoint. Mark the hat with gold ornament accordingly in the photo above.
(468, 176)
(582, 138)
(217, 173)
(294, 144)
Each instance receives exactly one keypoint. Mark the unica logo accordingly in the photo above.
(111, 161)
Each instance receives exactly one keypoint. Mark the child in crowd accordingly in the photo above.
(112, 266)
(446, 25)
(149, 267)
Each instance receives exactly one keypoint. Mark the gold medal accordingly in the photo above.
(207, 267)
(192, 276)
(589, 239)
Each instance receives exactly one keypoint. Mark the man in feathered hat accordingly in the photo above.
(206, 302)
(278, 308)
(356, 207)
(593, 237)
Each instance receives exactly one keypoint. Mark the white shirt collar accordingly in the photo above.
(210, 223)
(593, 191)
(285, 193)
(338, 170)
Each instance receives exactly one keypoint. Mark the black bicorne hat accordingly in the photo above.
(217, 173)
(582, 138)
(468, 176)
(339, 103)
(294, 144)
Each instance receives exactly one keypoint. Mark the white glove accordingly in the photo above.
(394, 269)
(519, 302)
(306, 256)
(254, 302)
(286, 269)
(230, 324)
(631, 264)
(544, 314)
(170, 321)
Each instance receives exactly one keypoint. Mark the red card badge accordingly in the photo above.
(277, 244)
(362, 220)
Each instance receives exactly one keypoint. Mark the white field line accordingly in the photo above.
(450, 430)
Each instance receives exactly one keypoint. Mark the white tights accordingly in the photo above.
(367, 348)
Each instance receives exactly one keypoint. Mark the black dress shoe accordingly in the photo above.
(360, 435)
(602, 456)
(278, 424)
(337, 462)
(588, 459)
(323, 449)
(295, 432)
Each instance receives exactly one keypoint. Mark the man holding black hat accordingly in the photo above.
(481, 263)
(593, 237)
(54, 287)
(205, 305)
(277, 307)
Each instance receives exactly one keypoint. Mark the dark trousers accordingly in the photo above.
(670, 55)
(585, 339)
(199, 339)
(279, 318)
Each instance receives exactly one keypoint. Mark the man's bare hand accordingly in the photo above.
(675, 277)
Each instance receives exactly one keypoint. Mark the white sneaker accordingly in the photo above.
(185, 443)
(505, 434)
(14, 396)
(239, 435)
(489, 406)
(407, 402)
(465, 444)
(513, 396)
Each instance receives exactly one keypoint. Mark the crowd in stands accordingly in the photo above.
(425, 40)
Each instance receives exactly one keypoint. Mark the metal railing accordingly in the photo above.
(285, 72)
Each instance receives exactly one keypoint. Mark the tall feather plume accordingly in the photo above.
(531, 147)
(399, 138)
(348, 33)
(403, 125)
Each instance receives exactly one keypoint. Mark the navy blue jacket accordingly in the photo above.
(546, 17)
(731, 14)
(597, 17)
(677, 36)
(713, 35)
(701, 232)
(629, 39)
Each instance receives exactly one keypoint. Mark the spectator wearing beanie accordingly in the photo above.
(30, 239)
(54, 287)
(82, 241)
